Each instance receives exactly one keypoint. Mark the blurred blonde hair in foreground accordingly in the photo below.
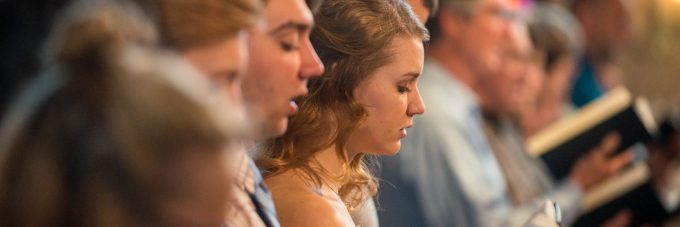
(115, 132)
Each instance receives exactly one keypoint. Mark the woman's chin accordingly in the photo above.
(391, 150)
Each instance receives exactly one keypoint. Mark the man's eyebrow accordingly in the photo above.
(299, 26)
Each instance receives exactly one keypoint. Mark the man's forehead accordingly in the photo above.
(282, 12)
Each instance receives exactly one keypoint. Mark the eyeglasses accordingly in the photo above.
(501, 12)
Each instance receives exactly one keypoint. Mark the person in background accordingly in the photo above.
(447, 173)
(664, 153)
(115, 132)
(606, 27)
(212, 35)
(281, 61)
(24, 25)
(557, 41)
(361, 106)
(423, 8)
(526, 177)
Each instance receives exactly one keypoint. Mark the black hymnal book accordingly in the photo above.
(562, 143)
(642, 202)
(632, 189)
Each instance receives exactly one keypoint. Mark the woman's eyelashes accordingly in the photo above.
(407, 85)
(403, 89)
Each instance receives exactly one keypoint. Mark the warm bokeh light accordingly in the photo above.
(649, 64)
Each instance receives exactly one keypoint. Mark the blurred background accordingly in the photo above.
(651, 62)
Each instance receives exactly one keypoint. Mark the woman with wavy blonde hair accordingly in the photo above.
(366, 98)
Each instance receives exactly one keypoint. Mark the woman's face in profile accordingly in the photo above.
(391, 98)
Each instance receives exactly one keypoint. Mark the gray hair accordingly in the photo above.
(559, 19)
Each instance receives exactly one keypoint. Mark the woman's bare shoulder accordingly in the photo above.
(299, 203)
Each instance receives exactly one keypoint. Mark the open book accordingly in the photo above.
(633, 190)
(563, 142)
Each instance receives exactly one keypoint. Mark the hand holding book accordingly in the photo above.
(562, 144)
(580, 147)
(599, 164)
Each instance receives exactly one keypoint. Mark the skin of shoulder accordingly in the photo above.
(299, 203)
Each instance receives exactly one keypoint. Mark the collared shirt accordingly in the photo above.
(250, 202)
(446, 173)
(262, 198)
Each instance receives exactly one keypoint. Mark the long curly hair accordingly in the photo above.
(351, 38)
